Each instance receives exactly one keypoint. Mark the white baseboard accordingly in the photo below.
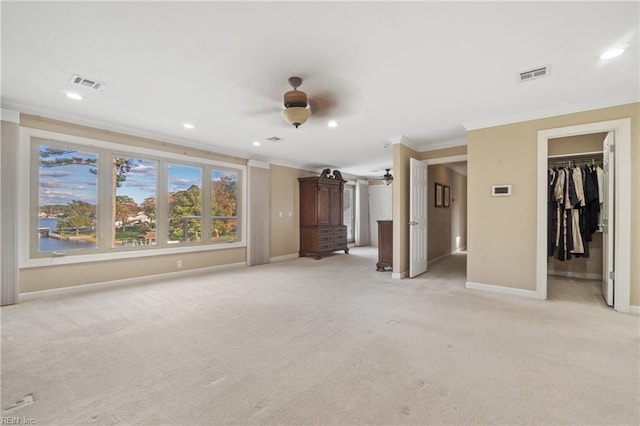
(32, 295)
(530, 294)
(399, 275)
(571, 274)
(633, 309)
(284, 257)
(444, 256)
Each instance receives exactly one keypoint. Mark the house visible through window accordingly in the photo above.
(134, 215)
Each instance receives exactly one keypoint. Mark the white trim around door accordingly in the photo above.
(622, 232)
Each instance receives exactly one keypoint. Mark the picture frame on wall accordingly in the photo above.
(438, 195)
(446, 196)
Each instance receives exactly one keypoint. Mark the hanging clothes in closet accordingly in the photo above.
(573, 200)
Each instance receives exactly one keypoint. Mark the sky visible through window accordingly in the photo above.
(66, 176)
(141, 180)
(182, 177)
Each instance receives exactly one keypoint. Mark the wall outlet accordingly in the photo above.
(179, 263)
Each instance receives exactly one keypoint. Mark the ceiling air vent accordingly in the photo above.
(534, 73)
(86, 82)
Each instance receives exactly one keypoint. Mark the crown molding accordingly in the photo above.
(10, 116)
(401, 139)
(259, 164)
(129, 131)
(444, 144)
(572, 108)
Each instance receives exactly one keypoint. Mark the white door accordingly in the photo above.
(418, 181)
(607, 220)
(379, 208)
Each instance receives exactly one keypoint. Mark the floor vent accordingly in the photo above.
(534, 73)
(86, 82)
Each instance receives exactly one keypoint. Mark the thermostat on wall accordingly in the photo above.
(501, 190)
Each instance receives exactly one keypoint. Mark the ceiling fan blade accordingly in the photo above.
(263, 112)
(322, 104)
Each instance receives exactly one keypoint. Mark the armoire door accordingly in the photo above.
(324, 205)
(337, 215)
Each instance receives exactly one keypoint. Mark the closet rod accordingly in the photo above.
(582, 161)
(578, 154)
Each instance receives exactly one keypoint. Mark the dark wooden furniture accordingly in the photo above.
(385, 245)
(321, 215)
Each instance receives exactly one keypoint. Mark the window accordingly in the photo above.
(348, 203)
(224, 205)
(185, 203)
(67, 199)
(98, 199)
(134, 213)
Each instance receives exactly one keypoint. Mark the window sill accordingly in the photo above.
(128, 254)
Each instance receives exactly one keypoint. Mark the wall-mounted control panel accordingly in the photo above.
(501, 190)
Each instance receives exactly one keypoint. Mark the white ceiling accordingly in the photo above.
(420, 71)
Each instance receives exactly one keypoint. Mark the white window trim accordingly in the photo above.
(24, 213)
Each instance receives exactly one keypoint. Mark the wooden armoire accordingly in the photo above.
(321, 215)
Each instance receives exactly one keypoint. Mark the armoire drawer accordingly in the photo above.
(325, 230)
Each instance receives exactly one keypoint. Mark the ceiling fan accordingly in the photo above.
(295, 104)
(298, 107)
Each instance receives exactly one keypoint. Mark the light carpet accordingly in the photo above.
(320, 342)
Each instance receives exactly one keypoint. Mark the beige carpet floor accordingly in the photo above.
(320, 342)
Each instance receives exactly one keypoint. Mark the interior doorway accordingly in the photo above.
(447, 211)
(620, 270)
(380, 208)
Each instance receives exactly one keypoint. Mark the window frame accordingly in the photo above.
(164, 241)
(113, 154)
(31, 138)
(239, 203)
(34, 194)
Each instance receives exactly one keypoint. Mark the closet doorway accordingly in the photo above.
(580, 249)
(609, 257)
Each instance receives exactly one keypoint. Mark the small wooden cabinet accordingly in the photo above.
(321, 215)
(385, 245)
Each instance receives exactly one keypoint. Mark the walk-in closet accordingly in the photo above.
(579, 244)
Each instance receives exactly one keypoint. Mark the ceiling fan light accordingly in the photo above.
(296, 115)
(387, 178)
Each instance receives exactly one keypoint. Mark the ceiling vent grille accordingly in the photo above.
(534, 73)
(86, 82)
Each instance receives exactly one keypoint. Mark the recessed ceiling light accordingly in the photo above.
(74, 96)
(256, 143)
(612, 53)
(188, 125)
(332, 123)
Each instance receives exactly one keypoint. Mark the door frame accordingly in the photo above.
(622, 231)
